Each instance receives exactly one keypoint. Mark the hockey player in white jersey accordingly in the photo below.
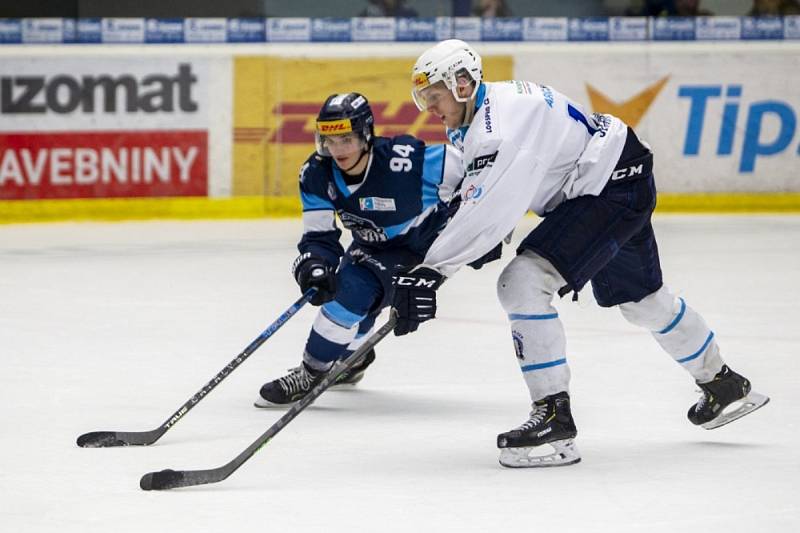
(526, 147)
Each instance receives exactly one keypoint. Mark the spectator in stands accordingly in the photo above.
(388, 8)
(774, 8)
(491, 8)
(668, 8)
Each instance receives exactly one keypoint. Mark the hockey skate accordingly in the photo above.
(550, 424)
(290, 388)
(726, 389)
(351, 377)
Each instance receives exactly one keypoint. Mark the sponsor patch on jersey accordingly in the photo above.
(547, 94)
(377, 204)
(487, 117)
(481, 162)
(523, 87)
(473, 192)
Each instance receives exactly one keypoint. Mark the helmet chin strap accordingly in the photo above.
(469, 107)
(469, 111)
(364, 152)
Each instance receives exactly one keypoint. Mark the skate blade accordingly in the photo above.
(261, 403)
(743, 407)
(343, 386)
(565, 453)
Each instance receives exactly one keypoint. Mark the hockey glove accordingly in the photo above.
(414, 298)
(312, 271)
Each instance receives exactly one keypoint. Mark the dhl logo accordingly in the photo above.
(296, 121)
(334, 127)
(421, 81)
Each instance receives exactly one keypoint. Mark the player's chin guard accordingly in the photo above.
(344, 114)
(446, 62)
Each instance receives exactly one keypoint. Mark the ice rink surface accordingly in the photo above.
(114, 326)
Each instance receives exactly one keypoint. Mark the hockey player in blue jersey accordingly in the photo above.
(528, 147)
(392, 195)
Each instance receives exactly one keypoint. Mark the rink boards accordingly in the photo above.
(205, 131)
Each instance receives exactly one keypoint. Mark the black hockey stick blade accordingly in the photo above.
(103, 439)
(170, 479)
(166, 479)
(108, 439)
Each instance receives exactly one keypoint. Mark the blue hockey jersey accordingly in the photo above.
(400, 202)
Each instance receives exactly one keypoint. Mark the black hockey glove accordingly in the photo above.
(312, 271)
(492, 255)
(414, 298)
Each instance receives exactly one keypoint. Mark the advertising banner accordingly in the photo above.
(276, 101)
(102, 164)
(77, 127)
(713, 128)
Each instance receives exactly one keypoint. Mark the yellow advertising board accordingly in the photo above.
(276, 101)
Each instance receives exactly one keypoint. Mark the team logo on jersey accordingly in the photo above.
(362, 228)
(481, 162)
(456, 138)
(331, 191)
(377, 204)
(516, 336)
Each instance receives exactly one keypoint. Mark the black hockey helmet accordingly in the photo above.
(341, 114)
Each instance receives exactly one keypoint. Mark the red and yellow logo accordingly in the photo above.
(421, 81)
(334, 127)
(295, 123)
(276, 108)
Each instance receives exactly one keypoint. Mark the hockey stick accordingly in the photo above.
(101, 439)
(170, 479)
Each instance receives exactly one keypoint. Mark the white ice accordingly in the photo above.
(114, 326)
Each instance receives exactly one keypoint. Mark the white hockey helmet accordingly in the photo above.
(445, 62)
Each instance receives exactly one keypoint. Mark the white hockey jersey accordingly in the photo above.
(528, 147)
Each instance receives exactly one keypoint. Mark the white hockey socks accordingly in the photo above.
(525, 289)
(680, 331)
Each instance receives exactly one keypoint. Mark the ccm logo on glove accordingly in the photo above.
(413, 281)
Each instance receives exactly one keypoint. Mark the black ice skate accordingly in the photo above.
(290, 388)
(351, 377)
(725, 389)
(550, 423)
